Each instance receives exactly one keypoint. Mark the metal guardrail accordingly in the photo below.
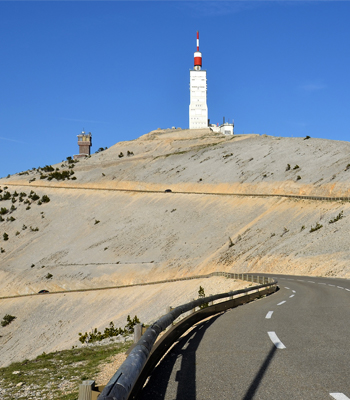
(82, 187)
(123, 381)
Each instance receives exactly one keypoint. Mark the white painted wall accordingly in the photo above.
(198, 112)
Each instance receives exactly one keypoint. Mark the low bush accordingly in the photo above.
(201, 295)
(3, 211)
(48, 276)
(5, 236)
(97, 336)
(296, 167)
(316, 227)
(337, 218)
(7, 319)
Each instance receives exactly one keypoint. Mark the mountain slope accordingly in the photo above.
(93, 235)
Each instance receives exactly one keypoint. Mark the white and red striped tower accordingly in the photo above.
(198, 93)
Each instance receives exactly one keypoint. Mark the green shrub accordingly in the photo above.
(48, 276)
(34, 229)
(48, 168)
(2, 250)
(24, 227)
(7, 319)
(307, 137)
(3, 211)
(5, 236)
(96, 222)
(96, 336)
(201, 295)
(337, 218)
(45, 199)
(17, 233)
(288, 167)
(316, 227)
(121, 154)
(296, 167)
(298, 177)
(6, 196)
(11, 219)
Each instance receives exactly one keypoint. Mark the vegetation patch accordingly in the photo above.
(56, 375)
(316, 227)
(337, 218)
(201, 295)
(111, 331)
(7, 319)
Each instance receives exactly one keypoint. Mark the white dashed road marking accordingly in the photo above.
(339, 396)
(330, 285)
(339, 287)
(321, 283)
(269, 315)
(292, 295)
(275, 340)
(282, 302)
(347, 289)
(286, 287)
(311, 281)
(293, 291)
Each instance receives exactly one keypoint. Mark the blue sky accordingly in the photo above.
(121, 69)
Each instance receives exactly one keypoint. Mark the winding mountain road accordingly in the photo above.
(291, 345)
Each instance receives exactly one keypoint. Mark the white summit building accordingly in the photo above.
(198, 98)
(198, 93)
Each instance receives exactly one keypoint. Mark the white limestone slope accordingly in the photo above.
(143, 235)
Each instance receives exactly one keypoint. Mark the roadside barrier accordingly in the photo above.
(130, 377)
(82, 187)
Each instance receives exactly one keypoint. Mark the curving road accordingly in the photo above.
(294, 344)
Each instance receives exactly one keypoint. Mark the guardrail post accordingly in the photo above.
(85, 390)
(137, 332)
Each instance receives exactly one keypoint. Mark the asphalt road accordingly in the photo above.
(294, 344)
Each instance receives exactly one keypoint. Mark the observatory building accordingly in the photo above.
(198, 98)
(84, 143)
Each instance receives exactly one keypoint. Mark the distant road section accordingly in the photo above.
(87, 187)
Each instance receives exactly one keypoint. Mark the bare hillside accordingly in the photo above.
(112, 223)
(88, 237)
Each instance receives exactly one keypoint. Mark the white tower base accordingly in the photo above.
(198, 99)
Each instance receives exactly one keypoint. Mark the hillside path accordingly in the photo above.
(291, 345)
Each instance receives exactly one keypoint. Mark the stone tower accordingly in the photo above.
(84, 143)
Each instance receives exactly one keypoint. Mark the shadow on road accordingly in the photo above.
(186, 348)
(259, 376)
